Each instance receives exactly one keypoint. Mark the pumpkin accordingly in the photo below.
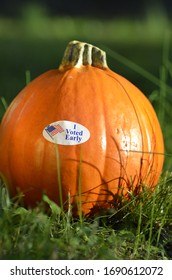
(81, 134)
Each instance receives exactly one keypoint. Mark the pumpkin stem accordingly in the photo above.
(78, 54)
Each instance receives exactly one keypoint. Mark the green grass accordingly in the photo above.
(140, 228)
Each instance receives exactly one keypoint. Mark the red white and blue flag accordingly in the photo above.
(54, 129)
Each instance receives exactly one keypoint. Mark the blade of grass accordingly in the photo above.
(152, 220)
(163, 77)
(165, 204)
(140, 70)
(59, 178)
(4, 103)
(28, 77)
(79, 200)
(137, 241)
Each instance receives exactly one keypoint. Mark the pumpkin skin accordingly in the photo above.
(124, 151)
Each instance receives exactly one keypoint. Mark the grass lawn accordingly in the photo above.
(140, 228)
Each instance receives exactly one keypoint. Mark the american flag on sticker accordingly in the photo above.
(54, 129)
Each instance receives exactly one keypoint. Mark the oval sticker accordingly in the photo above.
(66, 133)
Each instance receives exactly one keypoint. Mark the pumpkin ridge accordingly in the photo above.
(140, 125)
(132, 103)
(104, 185)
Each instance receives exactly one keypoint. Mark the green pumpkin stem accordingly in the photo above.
(78, 54)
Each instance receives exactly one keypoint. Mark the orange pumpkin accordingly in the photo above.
(82, 134)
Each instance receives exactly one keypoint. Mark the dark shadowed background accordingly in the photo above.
(94, 8)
